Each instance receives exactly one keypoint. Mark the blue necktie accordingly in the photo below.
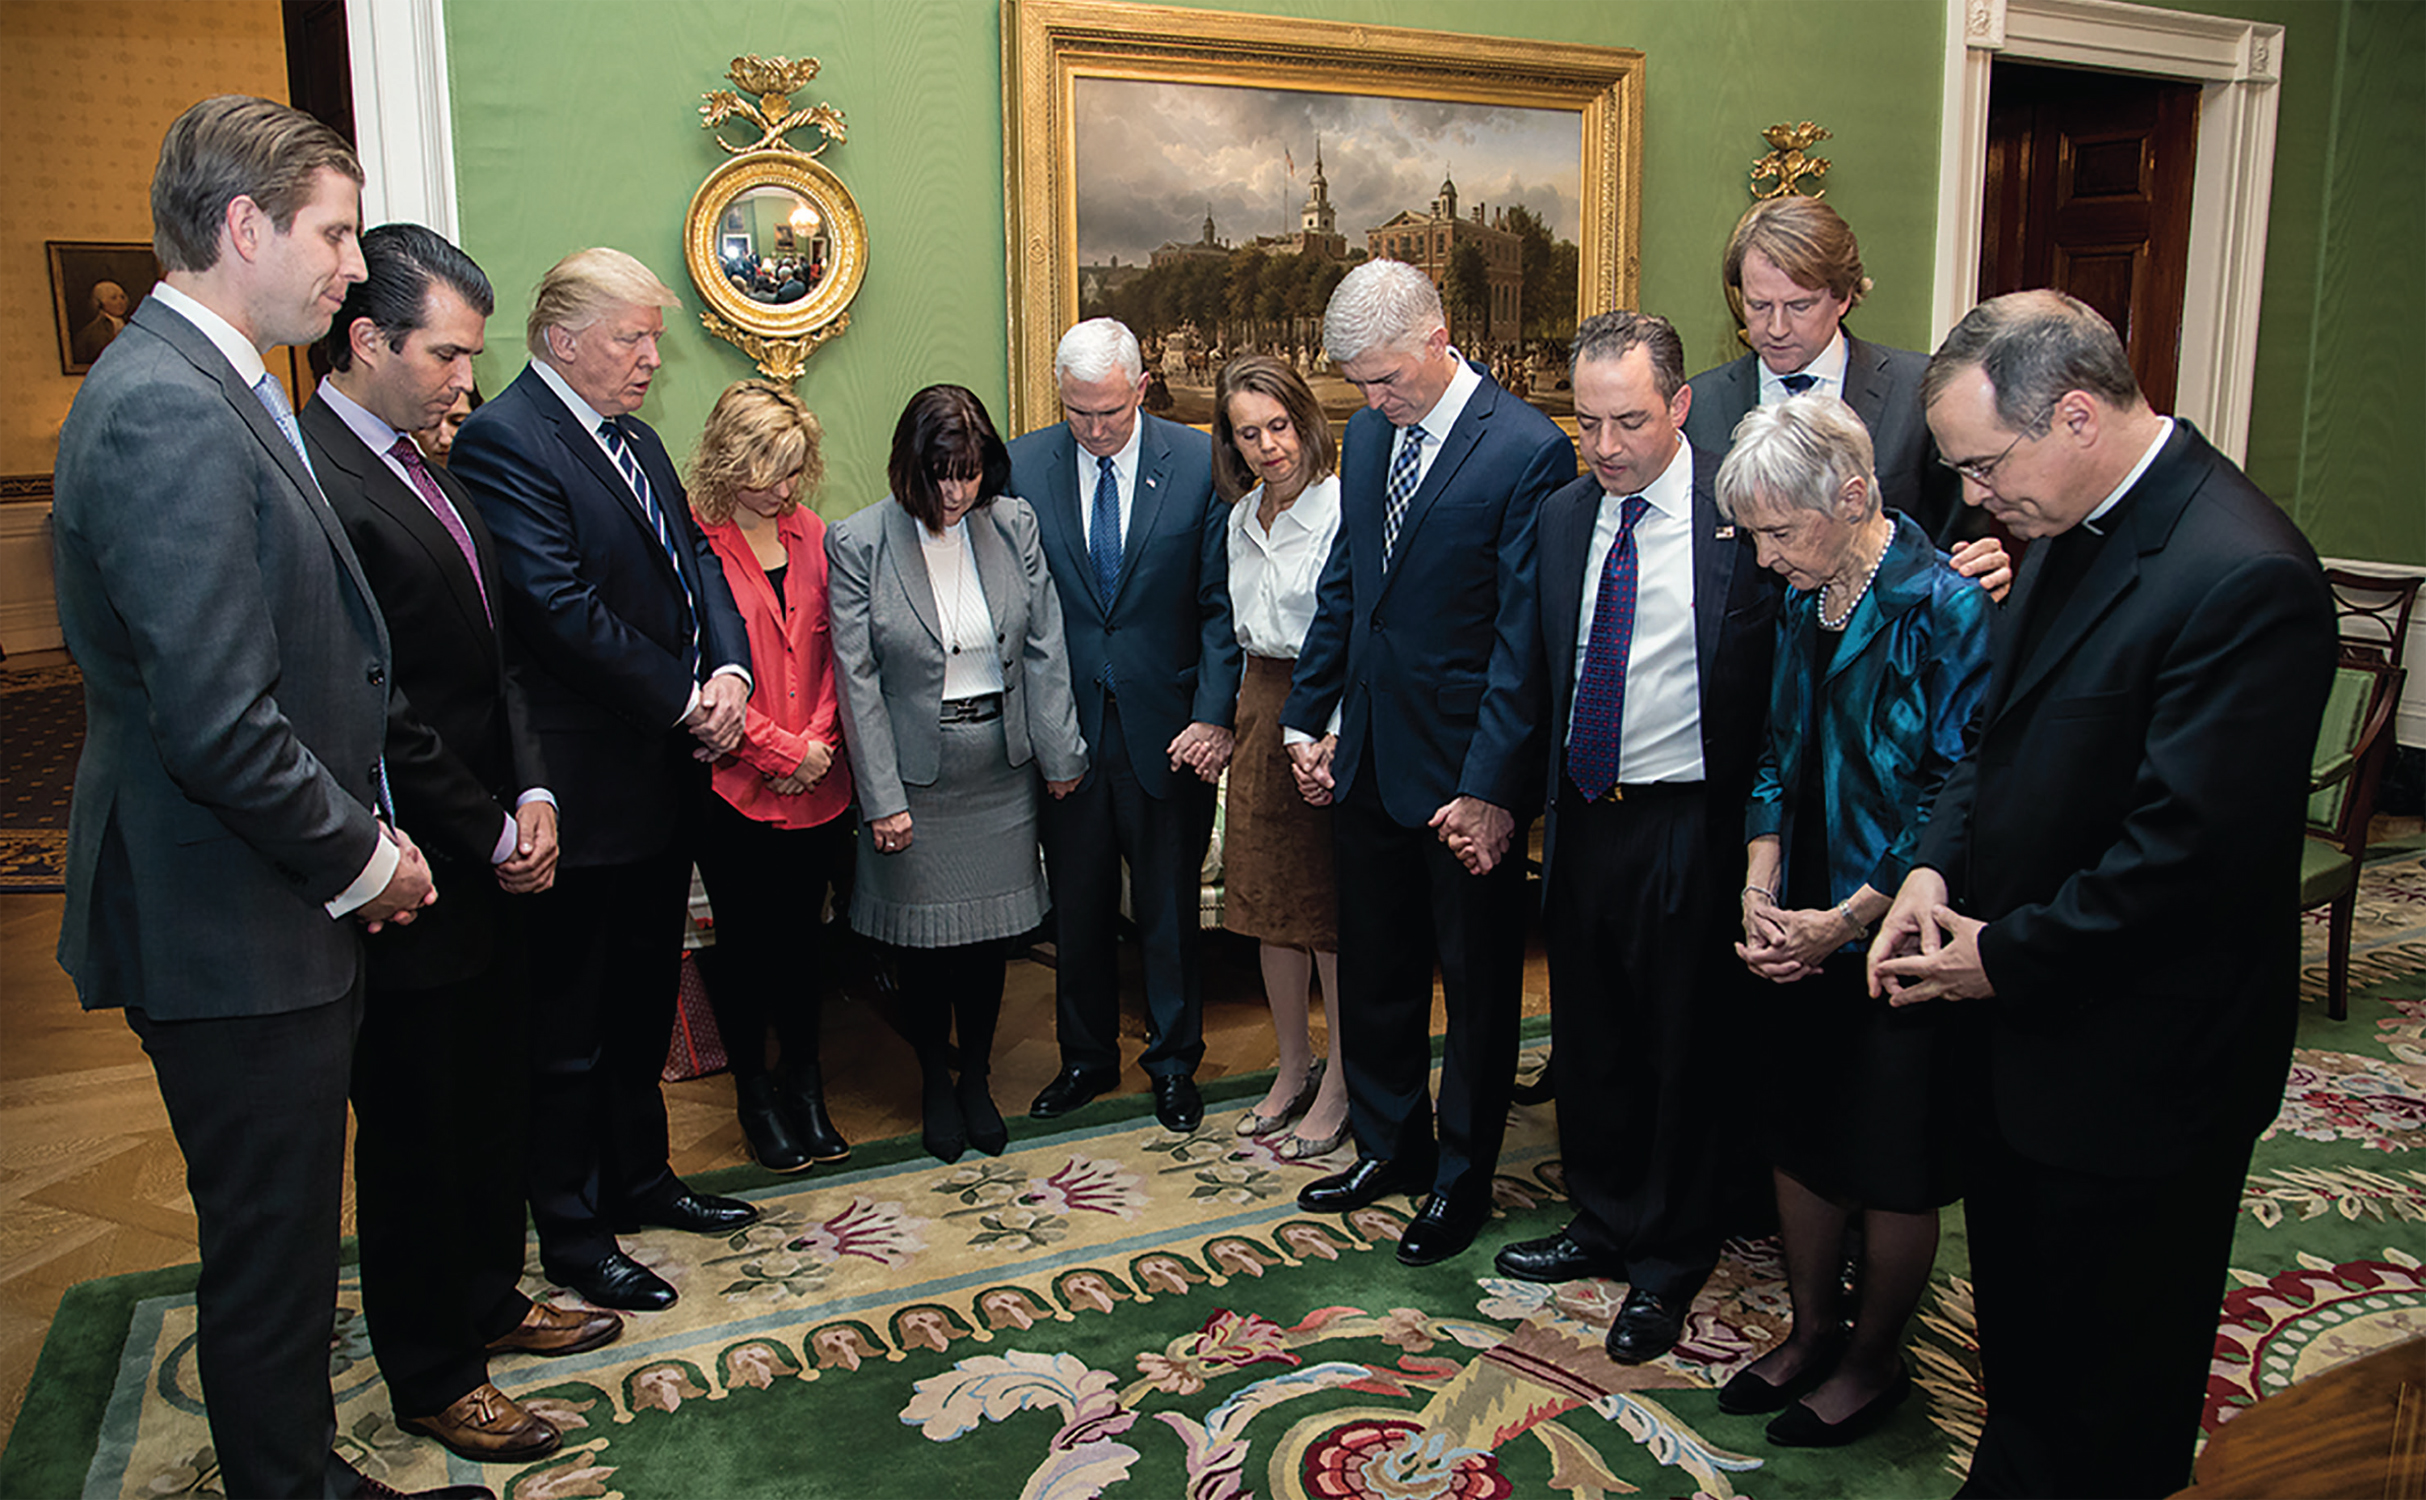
(272, 396)
(1400, 490)
(629, 462)
(1600, 693)
(1797, 384)
(1103, 533)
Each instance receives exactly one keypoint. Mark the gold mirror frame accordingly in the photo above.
(780, 338)
(1049, 44)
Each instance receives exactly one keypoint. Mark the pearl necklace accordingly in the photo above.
(1819, 605)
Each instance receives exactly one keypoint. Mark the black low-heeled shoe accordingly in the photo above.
(1798, 1426)
(986, 1129)
(1749, 1395)
(942, 1128)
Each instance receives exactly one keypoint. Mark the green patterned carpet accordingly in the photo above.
(1110, 1309)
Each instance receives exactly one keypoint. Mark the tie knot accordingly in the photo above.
(1103, 467)
(612, 431)
(1797, 384)
(406, 451)
(1631, 511)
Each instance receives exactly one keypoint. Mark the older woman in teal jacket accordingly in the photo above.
(1882, 659)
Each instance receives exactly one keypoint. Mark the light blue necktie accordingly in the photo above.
(629, 462)
(1400, 490)
(272, 396)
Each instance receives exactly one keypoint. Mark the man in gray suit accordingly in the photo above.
(1139, 548)
(227, 837)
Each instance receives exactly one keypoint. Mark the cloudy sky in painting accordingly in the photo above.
(1152, 156)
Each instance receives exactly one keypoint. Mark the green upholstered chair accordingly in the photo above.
(2352, 746)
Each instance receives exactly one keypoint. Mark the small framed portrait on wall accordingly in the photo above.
(94, 287)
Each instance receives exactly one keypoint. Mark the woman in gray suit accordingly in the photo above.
(956, 701)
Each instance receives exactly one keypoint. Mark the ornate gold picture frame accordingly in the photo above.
(1051, 46)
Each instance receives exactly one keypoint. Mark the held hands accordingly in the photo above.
(532, 866)
(812, 769)
(407, 891)
(892, 834)
(716, 722)
(1061, 789)
(1477, 832)
(1925, 949)
(1202, 748)
(1311, 765)
(1985, 563)
(1783, 945)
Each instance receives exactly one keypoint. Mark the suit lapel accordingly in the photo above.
(582, 443)
(1866, 388)
(1566, 549)
(1454, 450)
(998, 576)
(1068, 534)
(370, 477)
(1145, 505)
(1715, 556)
(901, 534)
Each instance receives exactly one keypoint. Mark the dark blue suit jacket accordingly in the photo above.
(1734, 637)
(1436, 666)
(1165, 635)
(594, 615)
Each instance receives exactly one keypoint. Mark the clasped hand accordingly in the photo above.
(1477, 832)
(716, 720)
(1202, 748)
(1925, 949)
(410, 888)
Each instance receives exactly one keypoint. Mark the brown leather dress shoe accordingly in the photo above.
(486, 1426)
(550, 1331)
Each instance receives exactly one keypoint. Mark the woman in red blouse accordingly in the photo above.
(778, 827)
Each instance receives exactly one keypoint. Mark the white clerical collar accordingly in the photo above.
(223, 335)
(2164, 430)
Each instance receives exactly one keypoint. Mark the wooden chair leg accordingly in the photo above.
(2337, 954)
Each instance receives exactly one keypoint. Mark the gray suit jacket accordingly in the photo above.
(1883, 386)
(235, 687)
(889, 651)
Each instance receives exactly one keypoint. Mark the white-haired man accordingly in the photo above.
(1414, 706)
(634, 659)
(1138, 548)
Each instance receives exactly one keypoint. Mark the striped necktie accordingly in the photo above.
(629, 462)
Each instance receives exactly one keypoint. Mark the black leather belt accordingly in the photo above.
(1646, 791)
(971, 710)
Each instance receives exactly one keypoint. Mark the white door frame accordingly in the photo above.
(2238, 65)
(403, 121)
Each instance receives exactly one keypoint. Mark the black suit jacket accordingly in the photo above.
(2129, 825)
(1883, 386)
(595, 622)
(460, 746)
(1432, 664)
(1734, 638)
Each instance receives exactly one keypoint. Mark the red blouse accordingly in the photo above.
(792, 659)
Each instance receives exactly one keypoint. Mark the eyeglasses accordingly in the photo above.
(1982, 471)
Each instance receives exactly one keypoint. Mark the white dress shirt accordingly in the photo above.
(1661, 738)
(1436, 422)
(1827, 369)
(1124, 482)
(380, 438)
(239, 351)
(1273, 574)
(971, 668)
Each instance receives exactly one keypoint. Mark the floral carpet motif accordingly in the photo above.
(1111, 1309)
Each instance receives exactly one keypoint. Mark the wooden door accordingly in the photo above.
(2088, 191)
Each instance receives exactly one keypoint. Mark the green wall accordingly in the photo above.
(603, 146)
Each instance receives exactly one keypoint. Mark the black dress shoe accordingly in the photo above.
(1177, 1104)
(1371, 1179)
(1646, 1328)
(1557, 1258)
(692, 1213)
(616, 1281)
(767, 1127)
(1441, 1230)
(1070, 1088)
(1748, 1395)
(1798, 1426)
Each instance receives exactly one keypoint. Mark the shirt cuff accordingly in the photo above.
(510, 841)
(385, 857)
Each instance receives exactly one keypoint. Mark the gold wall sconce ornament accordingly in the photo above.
(773, 240)
(1785, 166)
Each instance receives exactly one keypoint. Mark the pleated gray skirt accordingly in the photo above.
(973, 870)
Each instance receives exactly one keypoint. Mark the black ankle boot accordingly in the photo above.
(763, 1121)
(942, 1129)
(804, 1100)
(986, 1129)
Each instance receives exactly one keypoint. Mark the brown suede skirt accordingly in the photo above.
(1276, 849)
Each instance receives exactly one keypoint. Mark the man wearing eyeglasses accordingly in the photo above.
(2107, 883)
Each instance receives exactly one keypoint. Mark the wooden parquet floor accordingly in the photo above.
(91, 1182)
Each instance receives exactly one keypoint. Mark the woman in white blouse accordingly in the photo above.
(1275, 459)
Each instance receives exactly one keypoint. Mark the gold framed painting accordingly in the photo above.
(1208, 176)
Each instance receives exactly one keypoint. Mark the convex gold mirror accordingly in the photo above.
(774, 241)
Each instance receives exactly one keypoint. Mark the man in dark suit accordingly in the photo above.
(229, 829)
(1793, 270)
(439, 1073)
(2107, 883)
(1657, 627)
(1414, 704)
(624, 635)
(1137, 546)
